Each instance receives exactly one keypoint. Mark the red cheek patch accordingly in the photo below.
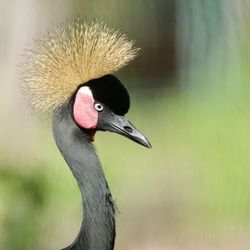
(84, 112)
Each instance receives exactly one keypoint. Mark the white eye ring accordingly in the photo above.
(98, 107)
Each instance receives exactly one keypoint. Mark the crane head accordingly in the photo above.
(101, 104)
(75, 61)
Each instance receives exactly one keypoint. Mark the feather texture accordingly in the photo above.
(70, 55)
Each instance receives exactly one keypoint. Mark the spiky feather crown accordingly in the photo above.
(69, 55)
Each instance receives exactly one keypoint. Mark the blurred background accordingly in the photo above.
(190, 95)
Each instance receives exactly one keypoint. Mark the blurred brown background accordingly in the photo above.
(191, 97)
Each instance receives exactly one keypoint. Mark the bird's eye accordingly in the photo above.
(98, 107)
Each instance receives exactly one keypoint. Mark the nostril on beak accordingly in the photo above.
(128, 129)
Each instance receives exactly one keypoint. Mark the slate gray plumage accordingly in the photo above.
(98, 227)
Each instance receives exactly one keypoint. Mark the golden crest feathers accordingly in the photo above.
(69, 55)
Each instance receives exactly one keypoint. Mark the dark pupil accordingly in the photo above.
(99, 106)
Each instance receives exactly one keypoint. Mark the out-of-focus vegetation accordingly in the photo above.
(190, 95)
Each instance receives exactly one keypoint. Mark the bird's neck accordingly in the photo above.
(98, 227)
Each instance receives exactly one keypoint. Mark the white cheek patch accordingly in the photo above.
(84, 113)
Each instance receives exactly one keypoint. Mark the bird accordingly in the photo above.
(68, 74)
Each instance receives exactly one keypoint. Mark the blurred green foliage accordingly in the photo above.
(23, 198)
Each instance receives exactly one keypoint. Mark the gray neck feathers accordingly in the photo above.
(98, 227)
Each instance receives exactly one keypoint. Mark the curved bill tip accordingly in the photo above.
(123, 127)
(141, 139)
(147, 144)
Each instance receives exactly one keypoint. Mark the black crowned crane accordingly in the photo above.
(69, 73)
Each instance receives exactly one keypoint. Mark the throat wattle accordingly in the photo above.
(91, 134)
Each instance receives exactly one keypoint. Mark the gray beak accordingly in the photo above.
(120, 125)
